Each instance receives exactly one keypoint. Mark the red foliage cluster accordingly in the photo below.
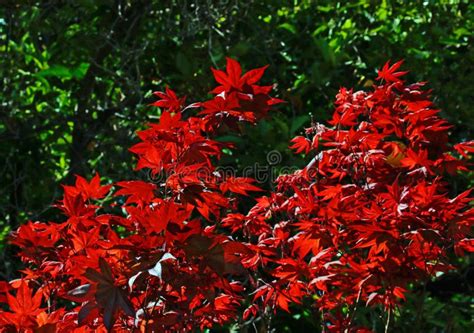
(368, 215)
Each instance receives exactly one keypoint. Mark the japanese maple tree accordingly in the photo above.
(367, 216)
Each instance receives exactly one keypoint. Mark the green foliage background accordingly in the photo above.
(77, 76)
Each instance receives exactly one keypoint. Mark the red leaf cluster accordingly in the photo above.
(368, 215)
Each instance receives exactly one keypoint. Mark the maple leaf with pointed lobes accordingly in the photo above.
(389, 74)
(220, 105)
(110, 297)
(414, 159)
(35, 234)
(169, 101)
(465, 148)
(76, 206)
(231, 80)
(137, 191)
(301, 144)
(166, 212)
(240, 185)
(24, 307)
(88, 190)
(169, 122)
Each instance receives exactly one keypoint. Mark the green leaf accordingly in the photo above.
(80, 71)
(56, 71)
(63, 72)
(288, 27)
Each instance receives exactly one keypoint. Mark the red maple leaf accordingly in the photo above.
(301, 144)
(169, 100)
(108, 296)
(88, 190)
(232, 79)
(137, 191)
(389, 74)
(24, 307)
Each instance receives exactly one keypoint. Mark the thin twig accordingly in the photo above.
(387, 324)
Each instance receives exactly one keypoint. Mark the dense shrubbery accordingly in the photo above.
(365, 220)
